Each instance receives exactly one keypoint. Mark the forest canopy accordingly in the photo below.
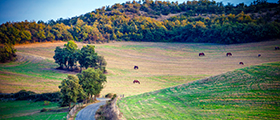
(156, 21)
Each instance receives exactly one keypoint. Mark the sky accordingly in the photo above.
(45, 10)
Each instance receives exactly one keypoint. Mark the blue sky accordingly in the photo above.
(20, 10)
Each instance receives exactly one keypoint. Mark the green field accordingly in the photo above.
(247, 93)
(30, 73)
(161, 65)
(27, 110)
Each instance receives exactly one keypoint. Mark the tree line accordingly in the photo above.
(69, 56)
(197, 21)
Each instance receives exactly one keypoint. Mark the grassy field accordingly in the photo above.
(27, 110)
(246, 93)
(29, 73)
(161, 65)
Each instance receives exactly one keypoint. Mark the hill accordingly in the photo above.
(248, 93)
(161, 65)
(156, 21)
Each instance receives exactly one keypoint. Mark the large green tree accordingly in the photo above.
(92, 81)
(70, 53)
(87, 57)
(71, 90)
(58, 57)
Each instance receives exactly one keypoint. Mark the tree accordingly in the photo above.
(101, 63)
(7, 53)
(50, 36)
(114, 36)
(87, 57)
(25, 36)
(71, 90)
(70, 53)
(92, 81)
(40, 35)
(58, 57)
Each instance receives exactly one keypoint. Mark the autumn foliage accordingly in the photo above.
(156, 21)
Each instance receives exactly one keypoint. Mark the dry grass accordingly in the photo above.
(163, 65)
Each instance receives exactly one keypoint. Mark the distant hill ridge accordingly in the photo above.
(156, 21)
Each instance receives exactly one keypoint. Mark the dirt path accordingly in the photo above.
(88, 113)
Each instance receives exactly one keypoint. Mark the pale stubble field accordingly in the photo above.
(161, 65)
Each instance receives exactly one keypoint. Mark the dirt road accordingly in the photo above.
(89, 112)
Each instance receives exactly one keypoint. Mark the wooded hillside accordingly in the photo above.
(156, 21)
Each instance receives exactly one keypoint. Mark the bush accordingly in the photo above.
(44, 110)
(99, 111)
(109, 95)
(102, 118)
(29, 95)
(62, 104)
(46, 102)
(53, 97)
(23, 95)
(114, 96)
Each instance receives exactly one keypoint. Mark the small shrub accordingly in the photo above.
(44, 110)
(23, 95)
(114, 96)
(102, 118)
(46, 102)
(62, 104)
(109, 95)
(99, 112)
(101, 106)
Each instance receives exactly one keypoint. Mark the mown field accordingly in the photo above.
(161, 65)
(29, 73)
(246, 93)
